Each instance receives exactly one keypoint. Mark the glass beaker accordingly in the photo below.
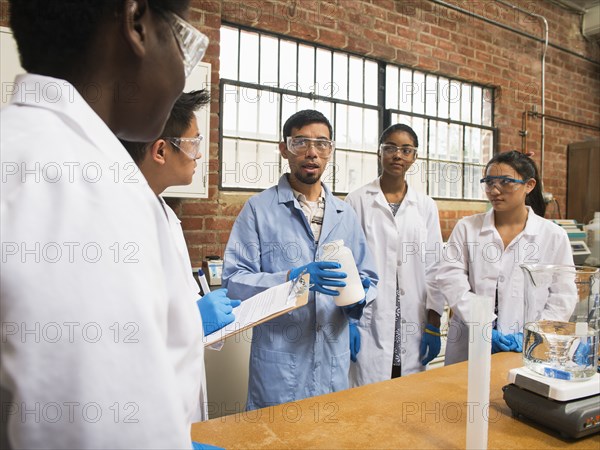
(561, 320)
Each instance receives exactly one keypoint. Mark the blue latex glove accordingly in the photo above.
(321, 275)
(355, 311)
(431, 343)
(199, 446)
(516, 341)
(500, 343)
(216, 310)
(582, 354)
(354, 341)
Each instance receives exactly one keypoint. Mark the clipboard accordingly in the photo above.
(266, 305)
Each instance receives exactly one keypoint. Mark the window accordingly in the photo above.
(454, 123)
(266, 78)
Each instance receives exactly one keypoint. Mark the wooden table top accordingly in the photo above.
(425, 410)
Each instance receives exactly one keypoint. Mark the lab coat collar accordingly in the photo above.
(61, 97)
(532, 226)
(285, 194)
(374, 188)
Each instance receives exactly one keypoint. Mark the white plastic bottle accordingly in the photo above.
(593, 239)
(353, 292)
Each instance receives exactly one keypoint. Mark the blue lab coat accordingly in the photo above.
(305, 352)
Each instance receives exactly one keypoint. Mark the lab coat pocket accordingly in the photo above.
(273, 377)
(340, 366)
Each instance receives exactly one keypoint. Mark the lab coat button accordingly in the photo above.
(402, 320)
(401, 291)
(501, 278)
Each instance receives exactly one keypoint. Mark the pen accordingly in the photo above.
(203, 282)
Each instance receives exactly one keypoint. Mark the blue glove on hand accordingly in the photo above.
(354, 341)
(355, 311)
(431, 343)
(516, 341)
(501, 343)
(320, 276)
(199, 446)
(216, 310)
(583, 356)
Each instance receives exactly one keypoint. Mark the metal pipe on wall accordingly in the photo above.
(543, 90)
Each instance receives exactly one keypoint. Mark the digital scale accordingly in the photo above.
(570, 407)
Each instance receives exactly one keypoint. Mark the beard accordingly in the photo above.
(307, 179)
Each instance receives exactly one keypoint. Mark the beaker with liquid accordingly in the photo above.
(561, 320)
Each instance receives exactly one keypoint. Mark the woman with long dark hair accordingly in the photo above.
(483, 255)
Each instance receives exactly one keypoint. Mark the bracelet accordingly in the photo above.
(433, 333)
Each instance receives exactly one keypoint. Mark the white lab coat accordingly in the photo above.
(406, 248)
(182, 252)
(98, 349)
(474, 260)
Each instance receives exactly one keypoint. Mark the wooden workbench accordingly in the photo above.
(425, 410)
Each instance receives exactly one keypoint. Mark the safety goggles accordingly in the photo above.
(300, 145)
(189, 146)
(407, 152)
(192, 43)
(501, 183)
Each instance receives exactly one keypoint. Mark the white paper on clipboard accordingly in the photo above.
(264, 306)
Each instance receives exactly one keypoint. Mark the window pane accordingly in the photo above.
(268, 60)
(465, 107)
(416, 176)
(287, 65)
(473, 173)
(231, 100)
(306, 68)
(268, 170)
(430, 95)
(340, 76)
(370, 130)
(487, 145)
(249, 57)
(392, 83)
(473, 145)
(268, 116)
(418, 89)
(477, 105)
(488, 102)
(408, 90)
(355, 121)
(355, 72)
(341, 126)
(248, 113)
(229, 174)
(323, 80)
(371, 82)
(455, 147)
(443, 101)
(453, 97)
(353, 170)
(229, 53)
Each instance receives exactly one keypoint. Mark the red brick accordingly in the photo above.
(192, 223)
(199, 208)
(218, 224)
(332, 38)
(199, 237)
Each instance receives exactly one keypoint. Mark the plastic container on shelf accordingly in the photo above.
(353, 292)
(593, 240)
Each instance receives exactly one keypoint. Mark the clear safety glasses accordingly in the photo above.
(501, 183)
(300, 145)
(407, 152)
(189, 146)
(192, 43)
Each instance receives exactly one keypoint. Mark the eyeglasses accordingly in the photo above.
(502, 183)
(300, 145)
(192, 43)
(189, 146)
(406, 151)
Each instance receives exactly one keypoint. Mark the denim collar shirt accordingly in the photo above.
(305, 352)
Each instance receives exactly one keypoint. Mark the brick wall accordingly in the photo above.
(424, 35)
